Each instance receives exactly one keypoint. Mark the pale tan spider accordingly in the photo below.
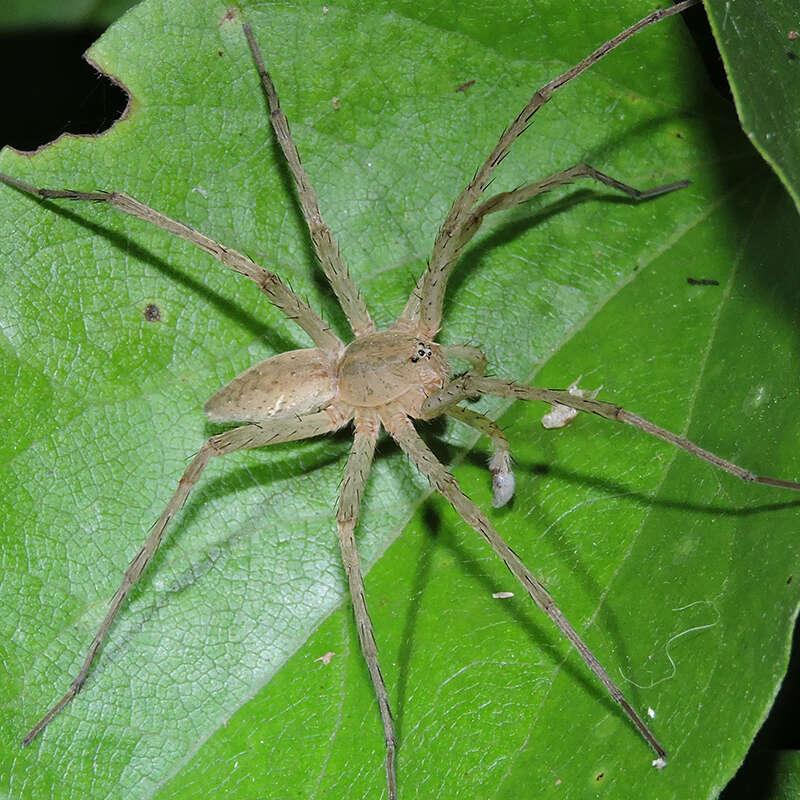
(383, 379)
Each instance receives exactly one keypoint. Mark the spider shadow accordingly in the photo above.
(765, 266)
(422, 576)
(318, 454)
(523, 614)
(514, 227)
(230, 309)
(521, 611)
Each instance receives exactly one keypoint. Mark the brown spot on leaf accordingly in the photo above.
(229, 16)
(152, 313)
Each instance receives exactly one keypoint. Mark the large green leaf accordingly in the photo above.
(760, 47)
(679, 577)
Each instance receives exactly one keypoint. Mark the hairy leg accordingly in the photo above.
(279, 294)
(506, 200)
(367, 427)
(470, 385)
(427, 306)
(271, 432)
(327, 250)
(401, 429)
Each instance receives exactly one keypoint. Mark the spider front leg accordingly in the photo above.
(325, 246)
(470, 385)
(424, 307)
(248, 436)
(403, 432)
(367, 427)
(507, 200)
(431, 294)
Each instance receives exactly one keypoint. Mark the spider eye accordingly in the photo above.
(414, 359)
(423, 351)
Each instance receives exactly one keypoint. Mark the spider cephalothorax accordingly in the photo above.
(391, 367)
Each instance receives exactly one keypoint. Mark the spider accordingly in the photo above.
(384, 379)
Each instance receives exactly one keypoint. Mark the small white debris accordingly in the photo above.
(326, 659)
(659, 763)
(201, 190)
(336, 103)
(651, 713)
(325, 9)
(560, 415)
(502, 595)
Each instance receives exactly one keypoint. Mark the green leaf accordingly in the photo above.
(682, 580)
(761, 50)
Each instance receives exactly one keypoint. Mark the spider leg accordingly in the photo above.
(367, 427)
(280, 295)
(500, 463)
(401, 429)
(268, 432)
(470, 385)
(503, 483)
(426, 307)
(326, 248)
(506, 200)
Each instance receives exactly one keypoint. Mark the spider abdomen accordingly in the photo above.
(388, 365)
(292, 383)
